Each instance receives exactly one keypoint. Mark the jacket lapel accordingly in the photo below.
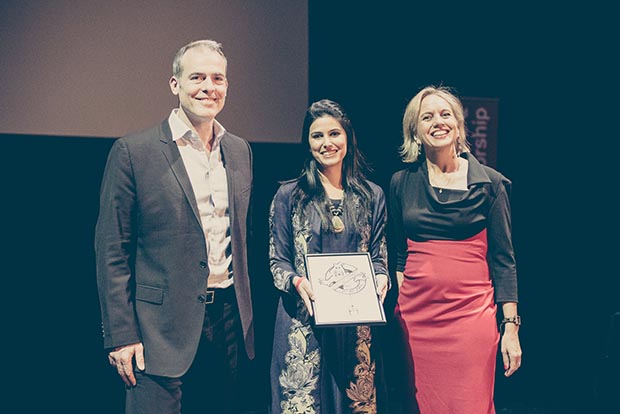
(172, 154)
(228, 160)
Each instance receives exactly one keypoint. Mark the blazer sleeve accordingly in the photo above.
(115, 244)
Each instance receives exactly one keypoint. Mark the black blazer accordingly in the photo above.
(151, 250)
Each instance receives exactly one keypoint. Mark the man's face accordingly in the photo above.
(202, 84)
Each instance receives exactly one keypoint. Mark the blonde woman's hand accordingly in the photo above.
(399, 278)
(511, 349)
(305, 291)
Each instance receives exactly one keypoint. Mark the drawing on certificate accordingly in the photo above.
(344, 288)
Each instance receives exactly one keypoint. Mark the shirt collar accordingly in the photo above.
(475, 172)
(180, 129)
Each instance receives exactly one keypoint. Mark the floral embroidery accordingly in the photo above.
(363, 227)
(303, 235)
(383, 251)
(362, 392)
(280, 276)
(364, 238)
(300, 377)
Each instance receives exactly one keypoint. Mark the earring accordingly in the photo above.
(417, 142)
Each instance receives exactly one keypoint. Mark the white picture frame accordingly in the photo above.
(344, 286)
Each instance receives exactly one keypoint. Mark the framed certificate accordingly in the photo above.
(344, 289)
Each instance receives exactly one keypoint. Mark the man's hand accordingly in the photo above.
(122, 358)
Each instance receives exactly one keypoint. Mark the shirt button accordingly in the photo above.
(202, 298)
(203, 264)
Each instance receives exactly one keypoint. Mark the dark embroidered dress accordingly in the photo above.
(321, 370)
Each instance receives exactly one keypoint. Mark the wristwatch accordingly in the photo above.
(512, 319)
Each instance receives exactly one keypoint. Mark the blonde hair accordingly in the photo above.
(412, 148)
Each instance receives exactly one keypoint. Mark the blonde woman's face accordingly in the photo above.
(437, 124)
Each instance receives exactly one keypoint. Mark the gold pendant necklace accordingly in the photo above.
(336, 212)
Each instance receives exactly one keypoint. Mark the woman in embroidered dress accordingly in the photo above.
(455, 261)
(330, 207)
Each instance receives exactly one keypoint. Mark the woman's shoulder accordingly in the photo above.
(398, 175)
(483, 171)
(287, 187)
(409, 169)
(499, 182)
(496, 177)
(376, 188)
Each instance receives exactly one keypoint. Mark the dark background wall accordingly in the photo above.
(557, 88)
(552, 70)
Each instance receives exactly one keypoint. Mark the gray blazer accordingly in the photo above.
(151, 250)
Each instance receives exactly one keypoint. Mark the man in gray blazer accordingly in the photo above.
(171, 248)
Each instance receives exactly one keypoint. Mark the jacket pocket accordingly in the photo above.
(149, 294)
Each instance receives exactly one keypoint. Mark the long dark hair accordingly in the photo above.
(358, 194)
